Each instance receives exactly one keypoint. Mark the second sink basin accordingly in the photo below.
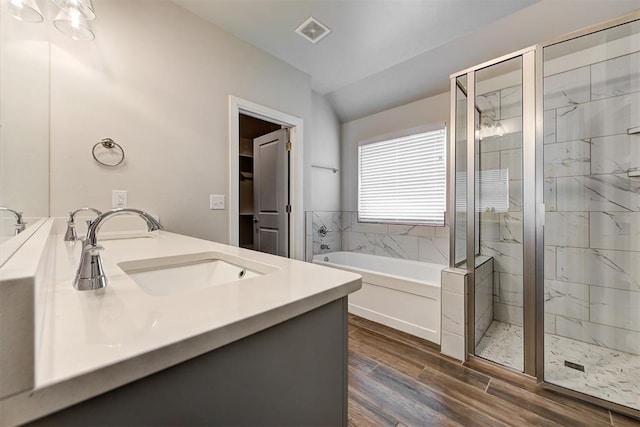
(174, 274)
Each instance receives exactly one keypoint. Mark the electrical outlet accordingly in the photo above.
(216, 202)
(119, 198)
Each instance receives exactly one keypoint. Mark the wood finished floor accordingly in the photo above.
(396, 379)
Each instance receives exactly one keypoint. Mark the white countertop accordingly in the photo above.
(92, 341)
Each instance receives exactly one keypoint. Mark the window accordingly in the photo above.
(402, 180)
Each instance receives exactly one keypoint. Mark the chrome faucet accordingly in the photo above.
(20, 224)
(90, 274)
(70, 235)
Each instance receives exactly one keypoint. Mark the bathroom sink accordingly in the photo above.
(175, 274)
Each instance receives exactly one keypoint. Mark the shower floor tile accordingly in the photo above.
(609, 374)
(503, 343)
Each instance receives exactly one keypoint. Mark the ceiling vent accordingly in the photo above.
(313, 30)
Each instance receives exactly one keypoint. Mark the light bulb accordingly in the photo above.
(74, 15)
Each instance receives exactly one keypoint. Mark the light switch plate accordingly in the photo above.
(216, 202)
(119, 198)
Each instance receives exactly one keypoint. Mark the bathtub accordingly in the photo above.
(399, 293)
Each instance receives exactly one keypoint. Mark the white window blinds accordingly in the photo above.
(492, 191)
(403, 180)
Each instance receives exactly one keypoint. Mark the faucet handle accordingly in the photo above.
(323, 230)
(20, 226)
(71, 235)
(93, 249)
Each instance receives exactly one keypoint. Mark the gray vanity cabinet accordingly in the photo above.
(292, 374)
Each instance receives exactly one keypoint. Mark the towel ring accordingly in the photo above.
(109, 144)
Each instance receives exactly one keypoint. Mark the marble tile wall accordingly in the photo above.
(414, 242)
(501, 231)
(314, 241)
(483, 297)
(308, 236)
(592, 232)
(453, 325)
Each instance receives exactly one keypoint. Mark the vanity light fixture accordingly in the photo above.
(490, 130)
(25, 10)
(72, 19)
(84, 7)
(498, 128)
(74, 24)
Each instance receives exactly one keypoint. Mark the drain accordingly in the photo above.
(576, 366)
(242, 273)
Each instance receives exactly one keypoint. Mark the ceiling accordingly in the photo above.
(384, 53)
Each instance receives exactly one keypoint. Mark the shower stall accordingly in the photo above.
(545, 199)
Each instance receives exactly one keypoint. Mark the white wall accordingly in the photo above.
(426, 111)
(157, 80)
(24, 117)
(324, 150)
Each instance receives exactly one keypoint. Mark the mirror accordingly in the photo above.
(24, 128)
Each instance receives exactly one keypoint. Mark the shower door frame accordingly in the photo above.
(533, 206)
(539, 226)
(530, 304)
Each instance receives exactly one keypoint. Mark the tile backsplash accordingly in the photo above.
(333, 239)
(413, 242)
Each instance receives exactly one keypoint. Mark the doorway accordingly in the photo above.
(263, 220)
(261, 198)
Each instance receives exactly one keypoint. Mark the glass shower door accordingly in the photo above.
(460, 211)
(592, 206)
(499, 274)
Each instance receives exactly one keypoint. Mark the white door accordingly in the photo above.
(271, 193)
